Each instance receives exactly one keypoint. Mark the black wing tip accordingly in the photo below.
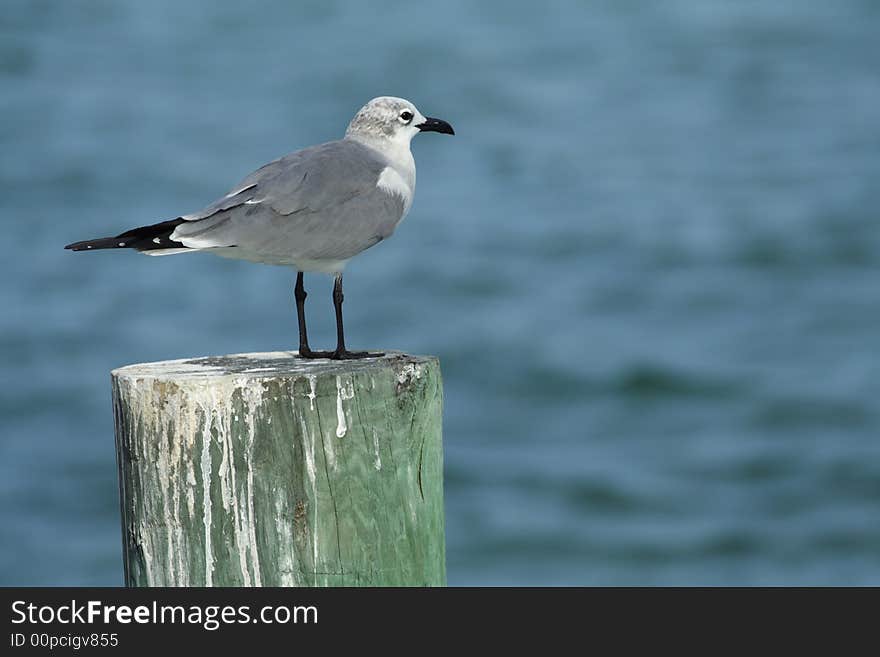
(80, 246)
(102, 243)
(146, 238)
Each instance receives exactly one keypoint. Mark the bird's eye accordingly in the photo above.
(406, 116)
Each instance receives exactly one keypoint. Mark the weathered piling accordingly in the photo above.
(270, 470)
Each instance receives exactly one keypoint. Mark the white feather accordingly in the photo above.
(161, 252)
(392, 182)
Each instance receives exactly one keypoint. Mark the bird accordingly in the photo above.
(313, 209)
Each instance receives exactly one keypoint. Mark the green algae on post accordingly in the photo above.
(269, 470)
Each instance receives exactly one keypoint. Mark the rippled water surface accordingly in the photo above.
(648, 262)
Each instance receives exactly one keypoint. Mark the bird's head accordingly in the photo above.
(394, 119)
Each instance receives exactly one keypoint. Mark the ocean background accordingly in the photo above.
(649, 262)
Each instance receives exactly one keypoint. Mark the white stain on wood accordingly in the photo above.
(313, 382)
(207, 512)
(168, 440)
(344, 391)
(409, 372)
(252, 398)
(341, 426)
(378, 462)
(311, 471)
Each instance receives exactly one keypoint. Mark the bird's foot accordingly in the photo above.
(339, 354)
(345, 354)
(308, 353)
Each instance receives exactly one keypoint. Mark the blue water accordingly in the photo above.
(649, 262)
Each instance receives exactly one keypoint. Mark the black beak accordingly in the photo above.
(435, 125)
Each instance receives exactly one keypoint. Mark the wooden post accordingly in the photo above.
(270, 470)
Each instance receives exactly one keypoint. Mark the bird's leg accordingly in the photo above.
(300, 294)
(341, 352)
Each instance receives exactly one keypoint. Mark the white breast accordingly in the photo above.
(391, 182)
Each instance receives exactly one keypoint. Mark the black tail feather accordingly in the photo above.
(145, 238)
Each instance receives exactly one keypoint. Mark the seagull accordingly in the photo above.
(312, 210)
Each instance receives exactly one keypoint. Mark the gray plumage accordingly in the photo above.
(322, 203)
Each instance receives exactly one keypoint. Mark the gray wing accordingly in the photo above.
(320, 203)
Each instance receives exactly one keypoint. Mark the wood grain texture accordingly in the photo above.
(269, 470)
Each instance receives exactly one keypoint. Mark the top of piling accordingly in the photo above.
(270, 364)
